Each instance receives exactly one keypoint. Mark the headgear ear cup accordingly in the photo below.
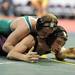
(40, 22)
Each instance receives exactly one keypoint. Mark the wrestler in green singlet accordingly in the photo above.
(6, 23)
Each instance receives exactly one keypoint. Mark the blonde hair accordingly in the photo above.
(50, 17)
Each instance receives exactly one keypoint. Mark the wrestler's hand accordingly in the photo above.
(58, 54)
(32, 56)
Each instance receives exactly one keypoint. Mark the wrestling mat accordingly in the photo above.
(49, 66)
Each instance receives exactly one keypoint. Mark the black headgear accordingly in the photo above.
(45, 19)
(59, 32)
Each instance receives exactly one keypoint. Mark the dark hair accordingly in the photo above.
(59, 32)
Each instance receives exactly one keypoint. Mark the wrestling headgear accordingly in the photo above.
(49, 18)
(59, 32)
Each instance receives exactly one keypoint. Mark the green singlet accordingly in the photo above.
(5, 26)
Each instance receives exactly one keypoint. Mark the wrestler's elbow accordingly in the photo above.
(7, 47)
(11, 55)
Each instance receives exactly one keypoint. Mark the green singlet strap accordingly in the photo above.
(29, 22)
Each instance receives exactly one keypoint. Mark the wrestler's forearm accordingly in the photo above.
(29, 57)
(17, 53)
(69, 53)
(17, 56)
